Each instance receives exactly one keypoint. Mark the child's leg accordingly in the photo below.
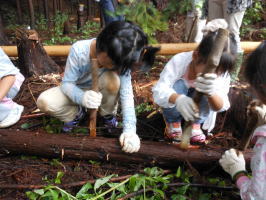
(215, 9)
(171, 114)
(109, 84)
(10, 111)
(55, 103)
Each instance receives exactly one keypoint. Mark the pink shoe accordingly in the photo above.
(173, 131)
(197, 136)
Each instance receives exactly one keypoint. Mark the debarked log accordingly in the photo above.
(66, 146)
(166, 48)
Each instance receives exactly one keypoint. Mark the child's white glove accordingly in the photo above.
(186, 106)
(92, 99)
(233, 163)
(130, 142)
(206, 84)
(258, 108)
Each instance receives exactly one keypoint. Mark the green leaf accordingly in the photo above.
(25, 125)
(182, 190)
(102, 181)
(58, 177)
(39, 191)
(205, 196)
(178, 172)
(32, 195)
(84, 190)
(178, 197)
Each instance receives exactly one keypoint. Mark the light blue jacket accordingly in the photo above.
(77, 76)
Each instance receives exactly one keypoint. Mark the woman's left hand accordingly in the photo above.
(130, 142)
(206, 83)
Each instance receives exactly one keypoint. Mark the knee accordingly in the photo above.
(44, 104)
(110, 82)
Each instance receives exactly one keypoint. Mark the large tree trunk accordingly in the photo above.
(3, 38)
(33, 59)
(103, 149)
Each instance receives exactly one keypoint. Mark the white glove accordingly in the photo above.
(214, 25)
(186, 106)
(130, 142)
(258, 108)
(233, 163)
(206, 84)
(92, 99)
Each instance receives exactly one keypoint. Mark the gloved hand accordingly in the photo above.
(186, 106)
(206, 83)
(258, 108)
(232, 162)
(130, 142)
(92, 99)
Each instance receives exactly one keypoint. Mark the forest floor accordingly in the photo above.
(22, 170)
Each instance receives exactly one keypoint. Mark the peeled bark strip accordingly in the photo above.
(103, 149)
(33, 59)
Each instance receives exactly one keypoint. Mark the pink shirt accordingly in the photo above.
(254, 188)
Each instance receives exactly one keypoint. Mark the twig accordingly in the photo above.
(33, 115)
(31, 94)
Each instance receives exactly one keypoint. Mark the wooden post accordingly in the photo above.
(32, 17)
(212, 63)
(93, 112)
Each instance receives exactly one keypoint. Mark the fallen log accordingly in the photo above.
(166, 48)
(67, 146)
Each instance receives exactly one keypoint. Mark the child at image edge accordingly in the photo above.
(10, 81)
(233, 162)
(179, 80)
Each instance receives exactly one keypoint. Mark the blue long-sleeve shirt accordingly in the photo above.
(77, 77)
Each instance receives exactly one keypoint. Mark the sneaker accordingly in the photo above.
(69, 126)
(173, 131)
(197, 136)
(13, 116)
(110, 122)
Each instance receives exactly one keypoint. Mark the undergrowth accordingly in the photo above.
(153, 184)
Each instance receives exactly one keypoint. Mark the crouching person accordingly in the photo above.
(120, 46)
(10, 81)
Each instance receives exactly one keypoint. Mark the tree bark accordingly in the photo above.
(32, 17)
(19, 12)
(33, 59)
(3, 38)
(46, 12)
(67, 146)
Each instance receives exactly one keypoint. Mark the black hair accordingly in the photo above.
(255, 69)
(228, 56)
(126, 44)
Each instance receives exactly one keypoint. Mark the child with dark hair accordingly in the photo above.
(118, 48)
(10, 81)
(180, 78)
(233, 162)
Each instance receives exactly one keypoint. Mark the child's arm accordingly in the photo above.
(5, 85)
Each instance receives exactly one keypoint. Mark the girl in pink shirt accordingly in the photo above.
(232, 162)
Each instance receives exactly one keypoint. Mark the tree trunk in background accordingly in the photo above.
(46, 12)
(19, 12)
(32, 17)
(66, 146)
(55, 6)
(32, 58)
(3, 38)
